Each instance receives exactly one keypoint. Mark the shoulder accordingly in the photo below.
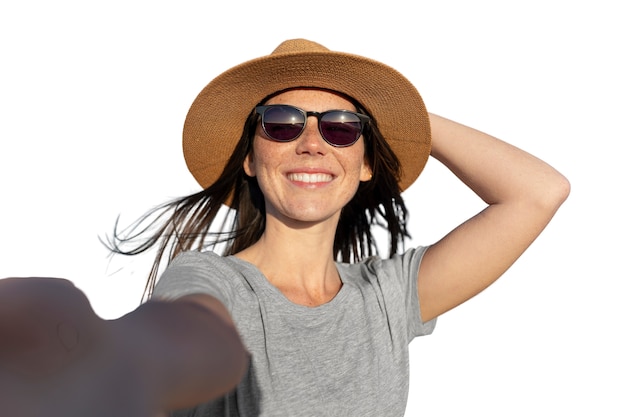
(394, 283)
(206, 263)
(390, 278)
(375, 268)
(197, 272)
(191, 258)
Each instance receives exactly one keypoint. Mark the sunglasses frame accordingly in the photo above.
(363, 118)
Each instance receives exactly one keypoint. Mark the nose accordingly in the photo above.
(311, 140)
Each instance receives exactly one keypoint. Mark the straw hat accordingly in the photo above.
(215, 120)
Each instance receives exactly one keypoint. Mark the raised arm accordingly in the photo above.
(57, 355)
(522, 192)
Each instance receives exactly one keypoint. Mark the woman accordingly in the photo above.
(298, 318)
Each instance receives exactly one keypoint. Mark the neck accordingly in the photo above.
(297, 261)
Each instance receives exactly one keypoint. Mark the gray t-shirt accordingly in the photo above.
(348, 357)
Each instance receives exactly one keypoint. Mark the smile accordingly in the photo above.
(310, 178)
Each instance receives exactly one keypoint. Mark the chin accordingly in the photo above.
(308, 215)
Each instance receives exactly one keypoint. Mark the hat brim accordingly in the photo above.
(216, 118)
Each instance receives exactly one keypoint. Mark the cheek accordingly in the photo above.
(264, 154)
(359, 163)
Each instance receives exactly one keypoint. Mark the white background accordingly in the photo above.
(92, 100)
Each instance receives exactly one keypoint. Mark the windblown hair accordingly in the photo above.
(187, 223)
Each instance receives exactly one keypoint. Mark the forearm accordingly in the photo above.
(496, 171)
(188, 353)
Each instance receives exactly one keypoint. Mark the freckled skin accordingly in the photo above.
(271, 162)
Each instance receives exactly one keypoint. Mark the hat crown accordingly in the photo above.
(299, 45)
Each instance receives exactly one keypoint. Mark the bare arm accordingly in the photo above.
(57, 355)
(522, 192)
(191, 344)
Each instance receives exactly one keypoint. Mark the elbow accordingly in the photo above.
(541, 200)
(556, 192)
(545, 200)
(565, 188)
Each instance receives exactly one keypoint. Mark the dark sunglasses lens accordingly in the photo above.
(341, 128)
(283, 123)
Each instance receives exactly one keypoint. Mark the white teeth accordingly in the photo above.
(302, 177)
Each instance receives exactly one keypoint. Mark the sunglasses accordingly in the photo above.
(284, 123)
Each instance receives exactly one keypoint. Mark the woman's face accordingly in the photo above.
(307, 179)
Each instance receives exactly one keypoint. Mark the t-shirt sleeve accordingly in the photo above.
(402, 272)
(197, 273)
